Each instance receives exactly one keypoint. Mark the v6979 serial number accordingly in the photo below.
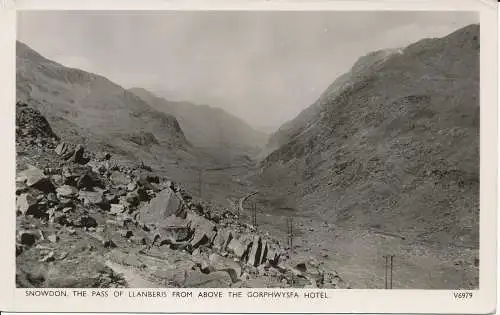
(462, 295)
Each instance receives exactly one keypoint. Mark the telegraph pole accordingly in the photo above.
(392, 257)
(386, 257)
(200, 173)
(389, 263)
(289, 222)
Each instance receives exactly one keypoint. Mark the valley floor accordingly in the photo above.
(357, 254)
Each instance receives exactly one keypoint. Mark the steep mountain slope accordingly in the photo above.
(397, 148)
(363, 66)
(88, 108)
(205, 126)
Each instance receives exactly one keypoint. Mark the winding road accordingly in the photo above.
(242, 200)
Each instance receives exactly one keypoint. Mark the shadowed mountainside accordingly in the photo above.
(394, 144)
(87, 108)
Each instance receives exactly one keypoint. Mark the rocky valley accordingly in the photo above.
(121, 188)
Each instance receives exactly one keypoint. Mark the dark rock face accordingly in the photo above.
(256, 252)
(30, 123)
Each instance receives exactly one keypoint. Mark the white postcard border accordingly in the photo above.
(339, 301)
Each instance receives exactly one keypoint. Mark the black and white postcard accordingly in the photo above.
(249, 156)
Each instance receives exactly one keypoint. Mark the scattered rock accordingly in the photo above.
(139, 240)
(19, 249)
(49, 257)
(26, 204)
(88, 181)
(60, 218)
(53, 238)
(90, 197)
(132, 198)
(34, 177)
(64, 150)
(109, 244)
(62, 255)
(127, 234)
(119, 179)
(52, 197)
(58, 179)
(131, 186)
(85, 221)
(116, 208)
(30, 122)
(145, 194)
(66, 191)
(28, 238)
(78, 154)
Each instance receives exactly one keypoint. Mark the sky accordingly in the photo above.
(264, 67)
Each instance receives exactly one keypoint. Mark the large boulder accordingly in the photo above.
(132, 198)
(34, 177)
(119, 179)
(28, 238)
(91, 197)
(78, 157)
(81, 176)
(255, 254)
(204, 230)
(222, 239)
(272, 254)
(116, 208)
(85, 221)
(172, 230)
(236, 247)
(265, 250)
(26, 204)
(88, 181)
(64, 150)
(66, 191)
(99, 167)
(160, 208)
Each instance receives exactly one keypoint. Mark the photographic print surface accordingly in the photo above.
(222, 149)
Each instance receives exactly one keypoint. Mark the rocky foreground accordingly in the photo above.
(83, 219)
